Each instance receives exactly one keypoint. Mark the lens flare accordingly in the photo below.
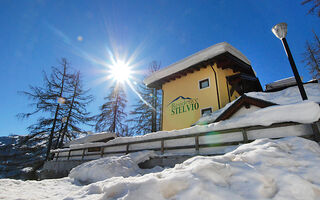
(120, 71)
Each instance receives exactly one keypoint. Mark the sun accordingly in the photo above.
(120, 71)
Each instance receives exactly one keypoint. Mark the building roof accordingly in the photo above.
(201, 56)
(285, 83)
(244, 100)
(95, 137)
(290, 95)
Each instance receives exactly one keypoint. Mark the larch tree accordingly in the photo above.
(52, 103)
(312, 57)
(112, 116)
(146, 114)
(75, 113)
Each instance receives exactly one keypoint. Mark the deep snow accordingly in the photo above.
(287, 96)
(286, 168)
(113, 166)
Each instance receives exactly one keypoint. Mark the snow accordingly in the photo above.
(86, 145)
(290, 109)
(281, 83)
(16, 161)
(112, 166)
(27, 169)
(198, 57)
(213, 116)
(92, 138)
(303, 112)
(289, 95)
(286, 168)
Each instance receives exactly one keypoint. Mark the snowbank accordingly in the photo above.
(108, 167)
(286, 168)
(265, 169)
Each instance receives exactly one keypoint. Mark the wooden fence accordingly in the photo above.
(311, 131)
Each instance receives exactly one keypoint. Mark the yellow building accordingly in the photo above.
(202, 83)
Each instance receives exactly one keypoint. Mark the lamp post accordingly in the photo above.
(280, 31)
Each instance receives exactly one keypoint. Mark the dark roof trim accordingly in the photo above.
(243, 101)
(242, 76)
(244, 83)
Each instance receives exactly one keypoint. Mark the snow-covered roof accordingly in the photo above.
(286, 82)
(95, 137)
(196, 58)
(289, 95)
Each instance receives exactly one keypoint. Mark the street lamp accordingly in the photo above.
(280, 31)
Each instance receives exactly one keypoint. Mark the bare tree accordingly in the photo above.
(76, 111)
(312, 57)
(315, 8)
(112, 114)
(53, 102)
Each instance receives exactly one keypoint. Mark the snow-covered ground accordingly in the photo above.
(286, 168)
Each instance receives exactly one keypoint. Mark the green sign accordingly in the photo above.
(183, 104)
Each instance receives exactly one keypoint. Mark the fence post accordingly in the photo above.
(316, 132)
(127, 151)
(57, 156)
(69, 154)
(197, 144)
(162, 146)
(83, 154)
(245, 136)
(102, 152)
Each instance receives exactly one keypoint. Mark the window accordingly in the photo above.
(206, 111)
(204, 83)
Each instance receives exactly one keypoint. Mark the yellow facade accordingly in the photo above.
(183, 99)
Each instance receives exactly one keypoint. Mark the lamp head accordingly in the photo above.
(280, 30)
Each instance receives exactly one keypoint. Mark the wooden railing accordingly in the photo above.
(197, 146)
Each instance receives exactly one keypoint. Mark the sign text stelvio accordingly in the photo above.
(183, 104)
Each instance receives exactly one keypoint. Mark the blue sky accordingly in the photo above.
(36, 34)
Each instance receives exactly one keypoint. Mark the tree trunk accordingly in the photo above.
(60, 132)
(70, 110)
(57, 110)
(115, 113)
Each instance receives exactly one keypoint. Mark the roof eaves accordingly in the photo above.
(194, 59)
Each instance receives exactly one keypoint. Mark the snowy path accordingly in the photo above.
(287, 168)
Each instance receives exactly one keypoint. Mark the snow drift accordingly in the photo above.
(112, 166)
(286, 168)
(278, 169)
